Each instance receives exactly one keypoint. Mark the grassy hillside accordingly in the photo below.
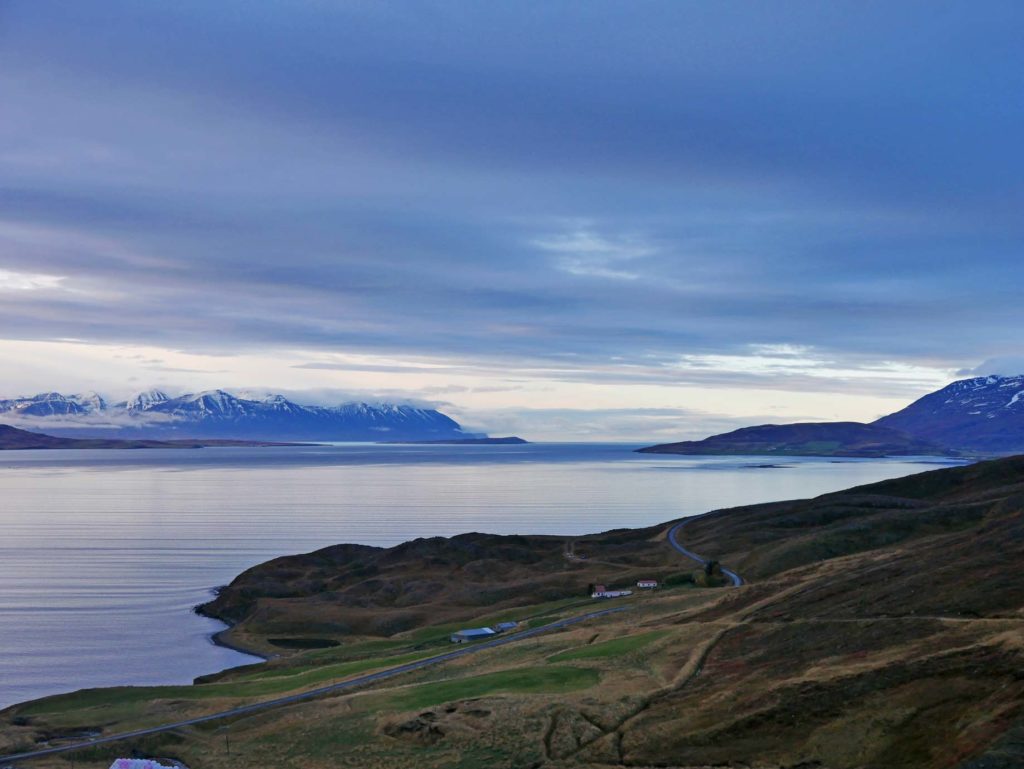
(882, 627)
(343, 591)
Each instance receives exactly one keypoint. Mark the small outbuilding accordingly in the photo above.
(503, 627)
(647, 584)
(472, 634)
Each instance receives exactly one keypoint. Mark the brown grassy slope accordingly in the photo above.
(357, 590)
(972, 509)
(885, 630)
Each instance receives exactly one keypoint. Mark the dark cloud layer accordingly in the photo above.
(597, 184)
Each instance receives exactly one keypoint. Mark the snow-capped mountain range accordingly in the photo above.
(219, 414)
(980, 414)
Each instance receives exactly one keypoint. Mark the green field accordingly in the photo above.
(530, 615)
(259, 684)
(537, 680)
(614, 648)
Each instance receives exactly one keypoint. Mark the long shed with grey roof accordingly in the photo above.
(472, 634)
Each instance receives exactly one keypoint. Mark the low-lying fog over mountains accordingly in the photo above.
(219, 414)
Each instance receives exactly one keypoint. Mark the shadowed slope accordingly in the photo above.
(829, 439)
(885, 629)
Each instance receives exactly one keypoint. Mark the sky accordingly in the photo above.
(582, 221)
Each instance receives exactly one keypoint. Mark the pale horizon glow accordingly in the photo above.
(542, 403)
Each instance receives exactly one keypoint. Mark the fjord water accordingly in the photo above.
(104, 553)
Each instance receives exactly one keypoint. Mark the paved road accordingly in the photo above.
(351, 683)
(735, 578)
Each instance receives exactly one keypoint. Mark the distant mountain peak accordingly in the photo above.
(54, 404)
(215, 395)
(980, 414)
(983, 413)
(146, 400)
(220, 414)
(90, 400)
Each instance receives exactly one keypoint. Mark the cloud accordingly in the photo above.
(584, 253)
(105, 420)
(1006, 365)
(643, 425)
(28, 281)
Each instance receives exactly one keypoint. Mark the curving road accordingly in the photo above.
(735, 578)
(351, 683)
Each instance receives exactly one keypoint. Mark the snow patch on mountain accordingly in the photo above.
(145, 400)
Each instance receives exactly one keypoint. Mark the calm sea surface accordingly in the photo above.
(103, 553)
